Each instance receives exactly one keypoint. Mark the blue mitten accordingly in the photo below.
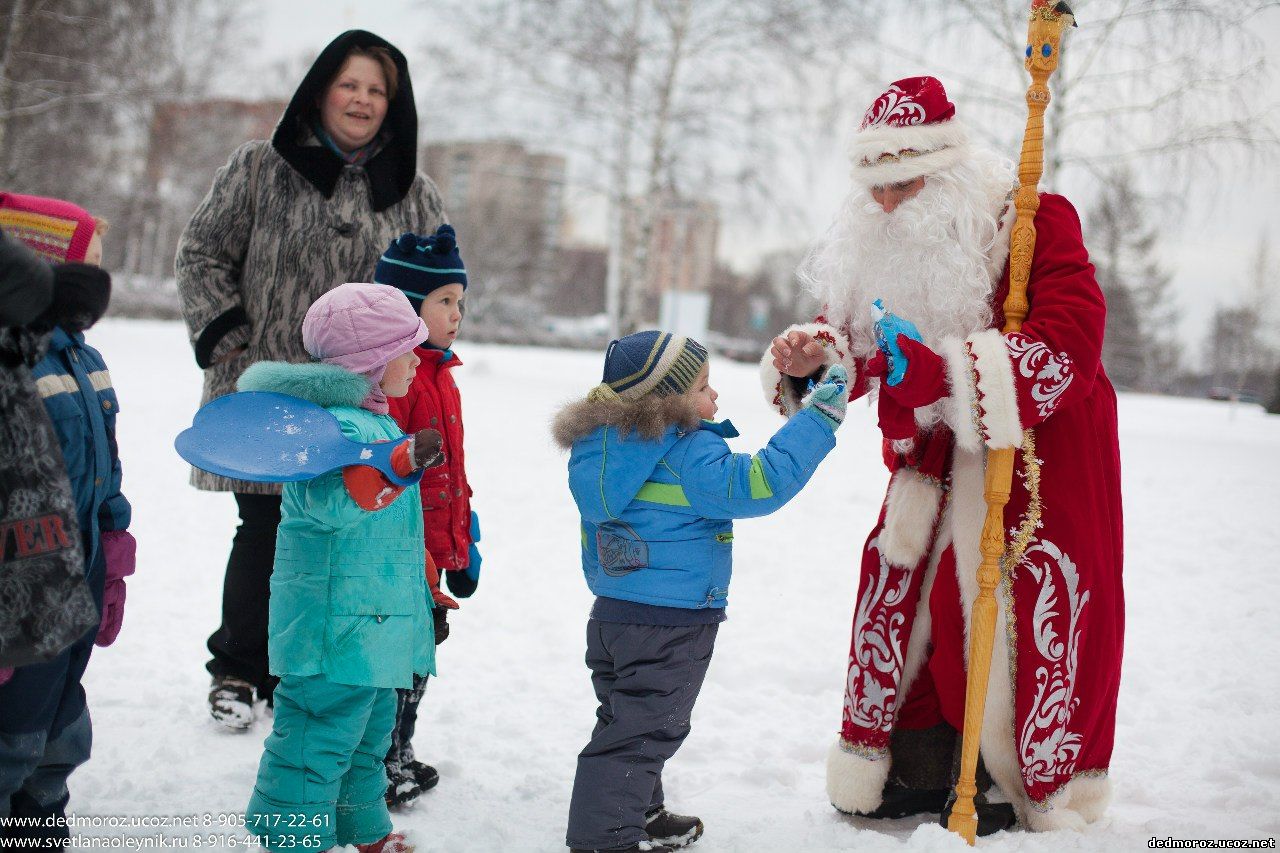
(830, 396)
(463, 582)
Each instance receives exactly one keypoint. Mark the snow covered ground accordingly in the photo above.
(1198, 740)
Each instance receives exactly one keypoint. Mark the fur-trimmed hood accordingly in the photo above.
(650, 417)
(323, 384)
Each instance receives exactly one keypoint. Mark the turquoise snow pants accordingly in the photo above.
(322, 781)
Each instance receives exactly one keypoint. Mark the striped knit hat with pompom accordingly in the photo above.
(418, 265)
(649, 362)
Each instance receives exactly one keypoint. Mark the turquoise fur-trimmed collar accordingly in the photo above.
(323, 384)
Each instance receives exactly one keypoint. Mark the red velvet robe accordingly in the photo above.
(1051, 706)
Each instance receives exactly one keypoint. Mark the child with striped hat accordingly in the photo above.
(45, 728)
(658, 488)
(430, 272)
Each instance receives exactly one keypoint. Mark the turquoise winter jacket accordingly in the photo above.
(658, 488)
(348, 591)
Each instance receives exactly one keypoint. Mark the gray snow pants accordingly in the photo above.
(647, 678)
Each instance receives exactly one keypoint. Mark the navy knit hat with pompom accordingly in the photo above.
(418, 265)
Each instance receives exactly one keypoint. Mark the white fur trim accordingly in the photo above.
(962, 404)
(783, 394)
(910, 512)
(855, 784)
(968, 511)
(1090, 796)
(1075, 805)
(890, 139)
(996, 395)
(936, 147)
(922, 627)
(1000, 250)
(908, 167)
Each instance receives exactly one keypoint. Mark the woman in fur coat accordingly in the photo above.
(285, 221)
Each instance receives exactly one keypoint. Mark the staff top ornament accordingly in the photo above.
(1044, 34)
(908, 131)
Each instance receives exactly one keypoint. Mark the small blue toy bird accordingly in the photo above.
(887, 328)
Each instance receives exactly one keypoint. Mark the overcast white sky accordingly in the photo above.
(1209, 249)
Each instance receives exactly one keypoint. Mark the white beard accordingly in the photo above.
(930, 260)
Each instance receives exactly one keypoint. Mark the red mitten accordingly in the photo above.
(896, 420)
(438, 597)
(925, 381)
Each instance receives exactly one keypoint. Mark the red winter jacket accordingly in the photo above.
(433, 401)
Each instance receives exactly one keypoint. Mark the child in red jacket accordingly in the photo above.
(430, 272)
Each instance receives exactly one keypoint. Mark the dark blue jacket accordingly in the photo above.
(657, 513)
(73, 381)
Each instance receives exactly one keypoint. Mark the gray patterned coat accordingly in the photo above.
(261, 247)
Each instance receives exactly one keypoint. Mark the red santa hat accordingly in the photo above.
(909, 131)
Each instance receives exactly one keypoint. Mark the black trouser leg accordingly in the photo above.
(407, 701)
(239, 646)
(647, 678)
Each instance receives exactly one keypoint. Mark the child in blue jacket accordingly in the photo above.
(45, 726)
(658, 489)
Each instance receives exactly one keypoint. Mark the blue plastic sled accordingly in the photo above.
(266, 437)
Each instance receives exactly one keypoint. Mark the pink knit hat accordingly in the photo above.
(361, 327)
(56, 229)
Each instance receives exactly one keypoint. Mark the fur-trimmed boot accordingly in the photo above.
(920, 778)
(992, 817)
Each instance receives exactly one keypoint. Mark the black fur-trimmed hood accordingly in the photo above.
(649, 416)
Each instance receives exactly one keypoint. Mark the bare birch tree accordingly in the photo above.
(662, 95)
(1172, 85)
(79, 80)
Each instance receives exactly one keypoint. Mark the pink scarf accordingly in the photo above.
(376, 401)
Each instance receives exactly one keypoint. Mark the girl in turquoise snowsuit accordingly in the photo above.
(349, 615)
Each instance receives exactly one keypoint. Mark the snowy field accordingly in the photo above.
(1197, 744)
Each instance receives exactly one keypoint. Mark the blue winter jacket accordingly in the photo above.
(76, 388)
(657, 511)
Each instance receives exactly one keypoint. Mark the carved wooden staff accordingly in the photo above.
(1044, 36)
